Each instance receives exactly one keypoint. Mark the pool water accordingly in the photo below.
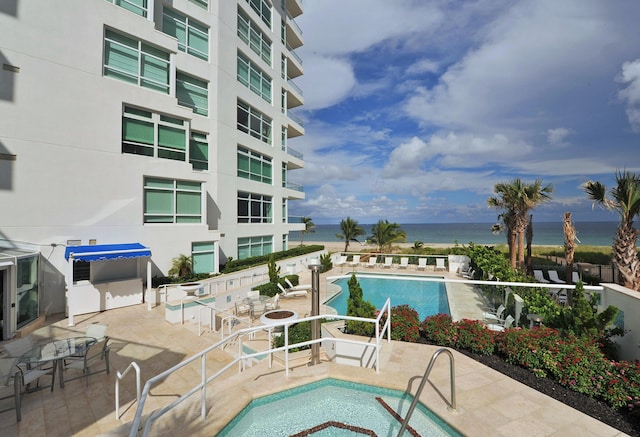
(300, 409)
(426, 297)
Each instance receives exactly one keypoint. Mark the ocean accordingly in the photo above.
(544, 233)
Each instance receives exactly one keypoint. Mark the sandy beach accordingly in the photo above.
(337, 246)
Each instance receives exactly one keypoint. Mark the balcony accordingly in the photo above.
(295, 127)
(294, 63)
(293, 34)
(294, 8)
(295, 187)
(294, 95)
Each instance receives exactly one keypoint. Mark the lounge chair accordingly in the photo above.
(502, 326)
(540, 276)
(440, 264)
(562, 297)
(372, 261)
(553, 275)
(404, 262)
(341, 261)
(296, 287)
(470, 275)
(293, 293)
(273, 304)
(575, 278)
(388, 261)
(422, 264)
(494, 315)
(356, 261)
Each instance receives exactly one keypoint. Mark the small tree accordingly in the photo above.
(309, 226)
(351, 230)
(181, 266)
(274, 271)
(358, 307)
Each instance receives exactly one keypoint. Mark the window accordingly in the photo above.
(254, 78)
(199, 151)
(192, 93)
(81, 271)
(254, 208)
(254, 122)
(151, 134)
(285, 241)
(203, 256)
(263, 9)
(254, 37)
(28, 302)
(283, 138)
(172, 201)
(254, 166)
(204, 4)
(139, 7)
(193, 37)
(284, 211)
(136, 62)
(255, 246)
(284, 175)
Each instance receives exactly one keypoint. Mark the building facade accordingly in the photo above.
(159, 122)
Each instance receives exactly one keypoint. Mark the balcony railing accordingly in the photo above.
(295, 118)
(295, 187)
(293, 23)
(293, 85)
(294, 55)
(293, 152)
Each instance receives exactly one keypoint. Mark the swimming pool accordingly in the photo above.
(332, 407)
(426, 297)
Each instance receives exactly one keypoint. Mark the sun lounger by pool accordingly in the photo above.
(388, 260)
(356, 261)
(575, 278)
(404, 262)
(539, 276)
(372, 261)
(291, 293)
(440, 264)
(502, 326)
(553, 275)
(422, 264)
(297, 287)
(341, 261)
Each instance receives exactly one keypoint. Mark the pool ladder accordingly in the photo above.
(416, 397)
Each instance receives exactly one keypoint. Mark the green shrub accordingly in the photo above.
(358, 307)
(233, 265)
(298, 333)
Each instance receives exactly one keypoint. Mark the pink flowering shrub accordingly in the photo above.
(405, 324)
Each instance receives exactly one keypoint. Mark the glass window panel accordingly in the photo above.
(243, 163)
(172, 137)
(203, 263)
(187, 185)
(188, 203)
(137, 130)
(158, 202)
(159, 183)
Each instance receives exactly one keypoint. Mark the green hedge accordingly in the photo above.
(241, 264)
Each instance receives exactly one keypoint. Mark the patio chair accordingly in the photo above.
(404, 262)
(372, 261)
(422, 264)
(273, 304)
(575, 278)
(356, 261)
(293, 293)
(440, 264)
(540, 276)
(388, 261)
(494, 314)
(28, 372)
(10, 384)
(241, 308)
(562, 297)
(501, 326)
(94, 356)
(553, 276)
(297, 287)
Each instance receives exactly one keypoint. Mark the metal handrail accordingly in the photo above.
(416, 397)
(119, 376)
(205, 380)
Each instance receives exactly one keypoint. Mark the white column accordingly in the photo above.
(151, 296)
(69, 279)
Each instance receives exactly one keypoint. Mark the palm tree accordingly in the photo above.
(350, 231)
(384, 234)
(624, 199)
(518, 199)
(309, 226)
(181, 266)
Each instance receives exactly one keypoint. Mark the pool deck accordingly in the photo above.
(489, 403)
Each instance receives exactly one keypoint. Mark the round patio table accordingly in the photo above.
(56, 351)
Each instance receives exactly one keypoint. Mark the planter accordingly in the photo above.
(278, 316)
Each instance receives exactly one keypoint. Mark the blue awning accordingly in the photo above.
(105, 252)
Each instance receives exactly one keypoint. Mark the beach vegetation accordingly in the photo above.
(351, 230)
(181, 266)
(517, 199)
(325, 261)
(309, 226)
(385, 233)
(624, 199)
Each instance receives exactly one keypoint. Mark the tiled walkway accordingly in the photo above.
(489, 403)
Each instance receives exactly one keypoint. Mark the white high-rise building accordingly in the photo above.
(159, 125)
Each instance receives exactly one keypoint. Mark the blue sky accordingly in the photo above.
(415, 109)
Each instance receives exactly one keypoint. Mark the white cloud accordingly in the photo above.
(630, 76)
(556, 136)
(423, 66)
(326, 82)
